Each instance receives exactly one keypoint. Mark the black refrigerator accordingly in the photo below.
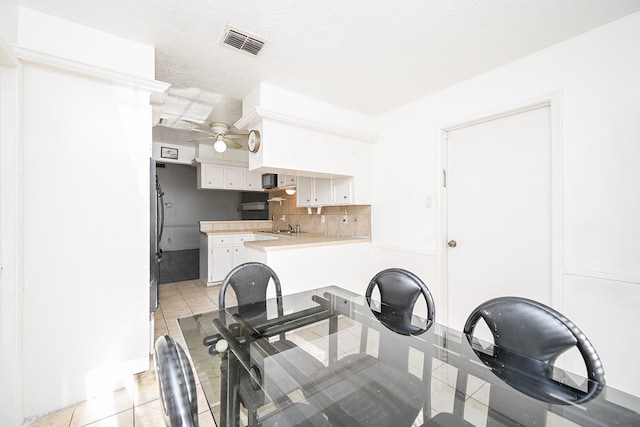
(156, 225)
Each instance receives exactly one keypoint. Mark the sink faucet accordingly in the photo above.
(295, 230)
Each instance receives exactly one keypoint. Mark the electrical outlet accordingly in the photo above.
(428, 201)
(322, 219)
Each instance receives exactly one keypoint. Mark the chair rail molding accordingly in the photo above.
(603, 275)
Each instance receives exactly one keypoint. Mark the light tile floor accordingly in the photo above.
(139, 404)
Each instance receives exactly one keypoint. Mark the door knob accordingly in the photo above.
(452, 243)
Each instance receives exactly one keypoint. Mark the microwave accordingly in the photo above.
(269, 180)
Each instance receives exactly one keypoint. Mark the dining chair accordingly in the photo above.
(250, 282)
(399, 291)
(529, 337)
(361, 389)
(176, 382)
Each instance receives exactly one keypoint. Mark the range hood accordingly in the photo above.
(254, 206)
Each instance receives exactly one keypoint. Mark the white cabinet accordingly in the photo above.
(220, 263)
(286, 180)
(313, 192)
(234, 178)
(304, 191)
(211, 176)
(219, 177)
(220, 253)
(253, 181)
(342, 191)
(322, 192)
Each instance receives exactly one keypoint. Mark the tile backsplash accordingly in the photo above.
(358, 218)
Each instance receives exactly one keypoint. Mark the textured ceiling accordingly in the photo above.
(370, 56)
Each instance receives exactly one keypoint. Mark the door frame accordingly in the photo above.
(552, 100)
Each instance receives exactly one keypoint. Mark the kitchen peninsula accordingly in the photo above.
(306, 259)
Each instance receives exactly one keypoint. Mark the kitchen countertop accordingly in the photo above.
(301, 240)
(284, 240)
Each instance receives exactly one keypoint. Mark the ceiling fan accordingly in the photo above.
(219, 132)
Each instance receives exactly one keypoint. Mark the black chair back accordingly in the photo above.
(176, 382)
(250, 282)
(529, 337)
(399, 292)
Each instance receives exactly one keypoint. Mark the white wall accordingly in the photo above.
(86, 143)
(11, 412)
(8, 21)
(597, 75)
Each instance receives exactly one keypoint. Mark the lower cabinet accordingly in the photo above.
(221, 253)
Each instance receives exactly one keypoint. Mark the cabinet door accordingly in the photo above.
(212, 176)
(286, 180)
(221, 262)
(322, 191)
(343, 191)
(234, 178)
(304, 193)
(239, 255)
(253, 181)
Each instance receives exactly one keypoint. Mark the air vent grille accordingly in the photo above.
(242, 40)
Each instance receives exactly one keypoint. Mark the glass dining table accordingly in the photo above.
(325, 357)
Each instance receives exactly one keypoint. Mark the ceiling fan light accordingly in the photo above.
(220, 146)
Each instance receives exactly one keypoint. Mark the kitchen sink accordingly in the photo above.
(280, 232)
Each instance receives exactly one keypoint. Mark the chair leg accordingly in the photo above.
(224, 388)
(333, 339)
(461, 394)
(233, 400)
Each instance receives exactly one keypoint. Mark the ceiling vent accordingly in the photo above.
(242, 40)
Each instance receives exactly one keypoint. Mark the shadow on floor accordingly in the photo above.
(177, 266)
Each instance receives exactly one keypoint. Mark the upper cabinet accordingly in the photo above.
(234, 178)
(314, 192)
(342, 193)
(253, 180)
(218, 177)
(211, 176)
(286, 180)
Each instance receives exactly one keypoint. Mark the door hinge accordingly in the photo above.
(444, 178)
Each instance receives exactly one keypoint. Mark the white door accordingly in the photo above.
(498, 212)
